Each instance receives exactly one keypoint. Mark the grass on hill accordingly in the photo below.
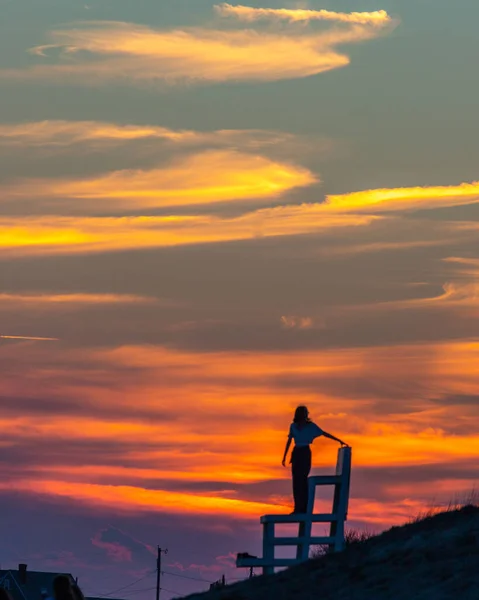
(435, 556)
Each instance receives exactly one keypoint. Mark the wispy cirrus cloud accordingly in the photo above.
(23, 236)
(467, 265)
(79, 299)
(230, 167)
(203, 178)
(29, 338)
(460, 294)
(136, 53)
(61, 133)
(405, 199)
(248, 13)
(455, 295)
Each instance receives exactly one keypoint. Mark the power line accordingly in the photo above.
(163, 589)
(171, 591)
(187, 577)
(158, 572)
(124, 587)
(137, 591)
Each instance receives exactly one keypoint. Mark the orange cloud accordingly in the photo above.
(374, 247)
(139, 53)
(456, 294)
(460, 294)
(404, 199)
(469, 267)
(205, 178)
(381, 443)
(248, 13)
(226, 387)
(60, 235)
(53, 300)
(130, 499)
(463, 261)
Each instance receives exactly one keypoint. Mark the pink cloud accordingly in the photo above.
(114, 550)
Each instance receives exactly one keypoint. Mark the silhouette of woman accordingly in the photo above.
(5, 594)
(62, 588)
(303, 431)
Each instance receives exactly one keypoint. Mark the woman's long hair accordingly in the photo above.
(301, 416)
(77, 593)
(62, 588)
(5, 594)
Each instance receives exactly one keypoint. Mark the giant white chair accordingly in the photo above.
(335, 540)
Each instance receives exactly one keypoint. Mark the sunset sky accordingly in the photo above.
(209, 214)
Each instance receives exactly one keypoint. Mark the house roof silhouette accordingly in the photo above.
(30, 585)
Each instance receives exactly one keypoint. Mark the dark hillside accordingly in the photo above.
(436, 558)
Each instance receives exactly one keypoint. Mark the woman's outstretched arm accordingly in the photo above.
(288, 444)
(333, 437)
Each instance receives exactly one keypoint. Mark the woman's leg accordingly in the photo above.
(301, 469)
(303, 479)
(296, 473)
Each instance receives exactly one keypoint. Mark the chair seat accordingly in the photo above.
(298, 518)
(298, 541)
(262, 562)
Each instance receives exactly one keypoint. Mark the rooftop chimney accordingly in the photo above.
(22, 573)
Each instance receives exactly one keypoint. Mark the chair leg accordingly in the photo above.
(268, 547)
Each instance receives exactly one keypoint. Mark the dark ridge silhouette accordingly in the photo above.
(436, 558)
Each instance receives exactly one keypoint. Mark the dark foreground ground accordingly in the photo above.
(436, 558)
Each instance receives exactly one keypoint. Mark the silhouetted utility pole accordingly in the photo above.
(158, 571)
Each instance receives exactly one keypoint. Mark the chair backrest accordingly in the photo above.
(343, 469)
(343, 464)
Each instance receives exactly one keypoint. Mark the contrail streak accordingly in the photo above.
(24, 337)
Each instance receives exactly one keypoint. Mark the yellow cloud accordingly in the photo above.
(248, 13)
(265, 178)
(28, 235)
(137, 53)
(403, 199)
(204, 178)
